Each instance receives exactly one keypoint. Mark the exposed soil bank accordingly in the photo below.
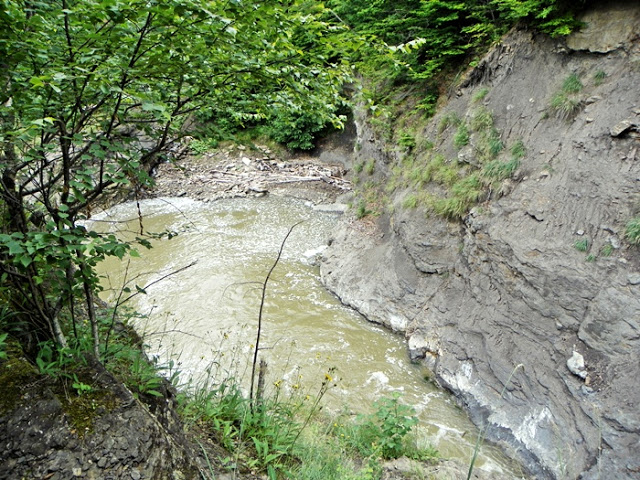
(508, 286)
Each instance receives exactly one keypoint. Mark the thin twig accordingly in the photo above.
(264, 293)
(138, 291)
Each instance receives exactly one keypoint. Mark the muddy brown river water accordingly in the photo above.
(204, 318)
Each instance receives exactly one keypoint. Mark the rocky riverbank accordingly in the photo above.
(239, 171)
(51, 430)
(538, 274)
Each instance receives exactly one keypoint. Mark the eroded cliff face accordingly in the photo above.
(507, 286)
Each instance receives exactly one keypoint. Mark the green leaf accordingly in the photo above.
(15, 248)
(25, 260)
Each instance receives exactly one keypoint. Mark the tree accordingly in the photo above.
(93, 93)
(451, 30)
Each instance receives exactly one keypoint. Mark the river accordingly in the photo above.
(204, 317)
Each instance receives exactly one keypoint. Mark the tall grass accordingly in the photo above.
(287, 436)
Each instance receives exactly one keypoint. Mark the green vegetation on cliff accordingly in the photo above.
(420, 42)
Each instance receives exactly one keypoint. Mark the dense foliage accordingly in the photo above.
(93, 93)
(436, 35)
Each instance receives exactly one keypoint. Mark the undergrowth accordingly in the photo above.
(282, 433)
(286, 435)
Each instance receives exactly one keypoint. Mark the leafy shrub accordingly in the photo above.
(407, 140)
(200, 146)
(295, 130)
(428, 35)
(3, 338)
(395, 421)
(382, 432)
(428, 105)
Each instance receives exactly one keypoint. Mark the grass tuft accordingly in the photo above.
(599, 77)
(482, 120)
(572, 84)
(480, 95)
(449, 119)
(518, 150)
(370, 166)
(632, 231)
(497, 170)
(565, 106)
(362, 210)
(411, 201)
(606, 250)
(566, 102)
(461, 138)
(581, 245)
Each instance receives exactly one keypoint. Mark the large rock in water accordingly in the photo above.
(508, 286)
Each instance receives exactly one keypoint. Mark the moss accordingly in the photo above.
(15, 373)
(83, 410)
(19, 377)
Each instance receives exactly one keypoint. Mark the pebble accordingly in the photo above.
(634, 278)
(575, 364)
